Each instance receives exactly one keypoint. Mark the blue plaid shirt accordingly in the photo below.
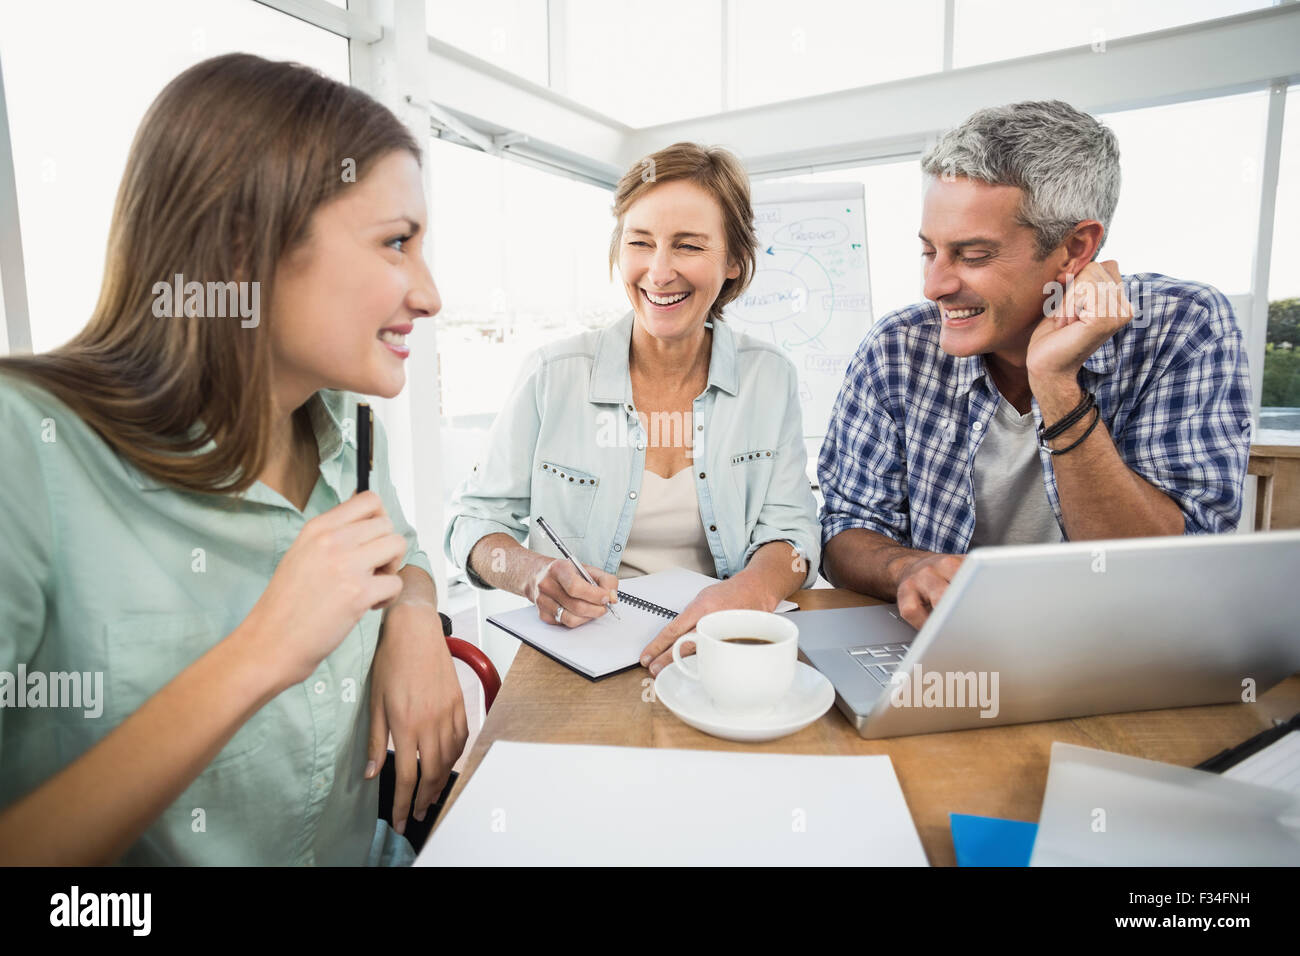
(1172, 385)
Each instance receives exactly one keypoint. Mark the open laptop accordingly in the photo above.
(1043, 632)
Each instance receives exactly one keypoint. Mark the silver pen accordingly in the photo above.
(555, 539)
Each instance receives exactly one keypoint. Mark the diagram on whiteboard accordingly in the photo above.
(811, 292)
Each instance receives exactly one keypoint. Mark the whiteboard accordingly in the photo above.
(811, 292)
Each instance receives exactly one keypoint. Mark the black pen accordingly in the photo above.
(555, 539)
(365, 445)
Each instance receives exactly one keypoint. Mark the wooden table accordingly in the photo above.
(1277, 496)
(998, 772)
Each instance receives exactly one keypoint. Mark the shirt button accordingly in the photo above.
(701, 474)
(977, 426)
(699, 428)
(618, 547)
(640, 447)
(713, 527)
(320, 687)
(629, 408)
(632, 495)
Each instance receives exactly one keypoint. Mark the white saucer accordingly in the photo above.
(810, 696)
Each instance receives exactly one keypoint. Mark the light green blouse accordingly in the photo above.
(114, 577)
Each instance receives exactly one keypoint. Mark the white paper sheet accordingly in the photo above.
(561, 804)
(1276, 766)
(1107, 809)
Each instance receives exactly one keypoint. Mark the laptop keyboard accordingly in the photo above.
(878, 660)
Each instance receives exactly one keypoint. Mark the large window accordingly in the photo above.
(511, 34)
(520, 258)
(649, 64)
(1279, 417)
(1189, 203)
(780, 50)
(78, 81)
(644, 63)
(985, 31)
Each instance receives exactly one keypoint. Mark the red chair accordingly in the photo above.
(480, 665)
(478, 662)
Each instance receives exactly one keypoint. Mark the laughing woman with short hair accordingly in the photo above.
(666, 439)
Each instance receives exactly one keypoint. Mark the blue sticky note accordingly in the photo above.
(988, 841)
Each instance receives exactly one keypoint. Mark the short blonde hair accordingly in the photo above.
(720, 174)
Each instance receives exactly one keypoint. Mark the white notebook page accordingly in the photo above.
(605, 645)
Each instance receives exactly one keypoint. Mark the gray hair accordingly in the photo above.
(1065, 162)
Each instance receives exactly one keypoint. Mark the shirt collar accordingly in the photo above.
(328, 409)
(611, 383)
(971, 368)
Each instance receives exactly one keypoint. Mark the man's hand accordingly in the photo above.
(923, 584)
(733, 593)
(415, 695)
(1093, 308)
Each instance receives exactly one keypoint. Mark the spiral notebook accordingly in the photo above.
(606, 646)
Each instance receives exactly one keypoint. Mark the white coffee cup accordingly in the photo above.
(742, 678)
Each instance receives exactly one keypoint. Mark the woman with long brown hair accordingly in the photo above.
(197, 667)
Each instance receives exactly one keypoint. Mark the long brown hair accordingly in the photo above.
(223, 177)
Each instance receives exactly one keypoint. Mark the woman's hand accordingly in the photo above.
(416, 696)
(737, 592)
(343, 563)
(559, 585)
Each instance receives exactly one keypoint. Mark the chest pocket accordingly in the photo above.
(751, 472)
(564, 496)
(758, 455)
(145, 651)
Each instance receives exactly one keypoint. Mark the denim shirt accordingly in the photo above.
(569, 445)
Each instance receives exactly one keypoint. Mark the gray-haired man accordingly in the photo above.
(1025, 402)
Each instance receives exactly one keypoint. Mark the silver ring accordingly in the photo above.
(559, 613)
